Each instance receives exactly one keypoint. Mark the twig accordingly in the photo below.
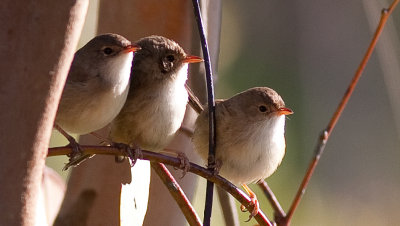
(327, 132)
(177, 193)
(211, 111)
(176, 162)
(279, 213)
(194, 101)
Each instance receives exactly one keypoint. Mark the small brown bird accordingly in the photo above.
(96, 88)
(157, 99)
(250, 141)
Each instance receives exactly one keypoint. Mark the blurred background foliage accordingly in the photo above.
(308, 51)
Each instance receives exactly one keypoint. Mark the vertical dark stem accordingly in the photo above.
(211, 111)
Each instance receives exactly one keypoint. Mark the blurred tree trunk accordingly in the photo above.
(38, 40)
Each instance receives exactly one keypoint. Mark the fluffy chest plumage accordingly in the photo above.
(254, 154)
(151, 118)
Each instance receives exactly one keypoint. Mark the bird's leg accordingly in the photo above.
(108, 142)
(185, 163)
(133, 152)
(184, 160)
(80, 158)
(72, 142)
(76, 156)
(254, 202)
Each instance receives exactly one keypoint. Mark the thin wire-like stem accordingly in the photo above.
(177, 193)
(172, 161)
(327, 132)
(279, 213)
(211, 111)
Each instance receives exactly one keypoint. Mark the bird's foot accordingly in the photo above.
(76, 156)
(256, 208)
(254, 203)
(185, 163)
(133, 153)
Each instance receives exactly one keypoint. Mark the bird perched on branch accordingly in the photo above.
(96, 88)
(250, 141)
(157, 99)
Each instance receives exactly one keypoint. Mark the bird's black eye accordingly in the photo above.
(170, 58)
(262, 108)
(107, 51)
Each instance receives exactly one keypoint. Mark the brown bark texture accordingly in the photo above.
(38, 40)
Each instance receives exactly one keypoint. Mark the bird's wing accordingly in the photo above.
(77, 74)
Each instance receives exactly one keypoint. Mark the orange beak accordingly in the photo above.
(285, 111)
(132, 48)
(192, 59)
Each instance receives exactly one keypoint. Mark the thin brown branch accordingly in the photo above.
(194, 101)
(176, 162)
(279, 213)
(384, 16)
(327, 132)
(177, 193)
